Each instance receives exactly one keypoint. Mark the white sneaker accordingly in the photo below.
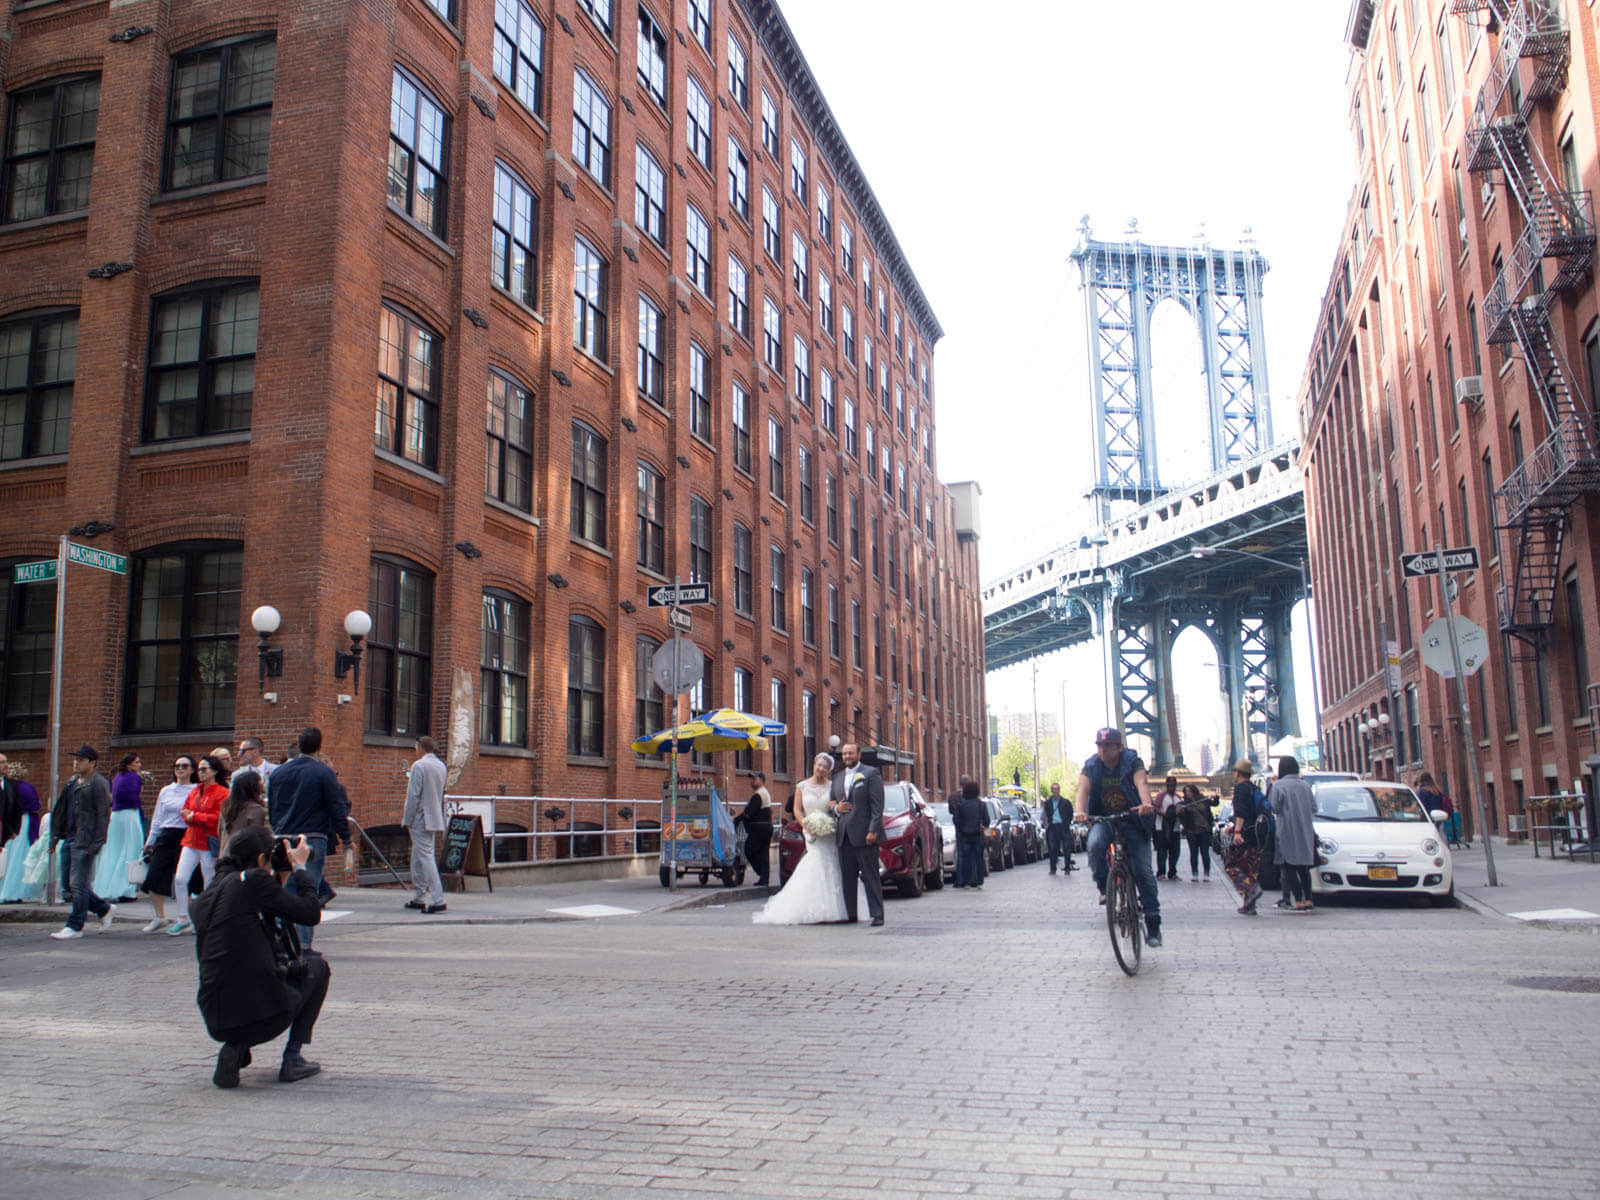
(111, 914)
(154, 925)
(66, 933)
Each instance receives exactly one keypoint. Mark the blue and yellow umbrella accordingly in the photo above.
(724, 729)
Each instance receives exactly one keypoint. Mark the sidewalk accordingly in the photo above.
(573, 901)
(1553, 894)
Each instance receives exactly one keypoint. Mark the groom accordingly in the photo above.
(857, 803)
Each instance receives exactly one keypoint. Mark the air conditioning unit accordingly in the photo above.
(1469, 390)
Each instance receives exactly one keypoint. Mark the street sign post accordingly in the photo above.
(42, 571)
(1427, 562)
(678, 595)
(676, 669)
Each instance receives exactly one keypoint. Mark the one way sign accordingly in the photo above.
(1421, 565)
(667, 595)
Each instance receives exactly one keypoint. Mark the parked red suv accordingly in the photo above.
(910, 854)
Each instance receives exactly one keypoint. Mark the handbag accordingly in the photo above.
(137, 870)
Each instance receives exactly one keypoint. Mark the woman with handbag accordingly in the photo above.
(125, 839)
(165, 843)
(201, 811)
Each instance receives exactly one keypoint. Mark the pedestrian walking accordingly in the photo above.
(125, 840)
(20, 797)
(1195, 819)
(164, 843)
(1168, 839)
(305, 797)
(1057, 827)
(1433, 799)
(252, 761)
(1242, 858)
(1296, 840)
(424, 819)
(245, 806)
(84, 820)
(202, 809)
(971, 818)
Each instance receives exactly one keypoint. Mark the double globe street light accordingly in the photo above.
(266, 619)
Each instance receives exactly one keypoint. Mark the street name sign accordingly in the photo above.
(42, 571)
(103, 560)
(680, 618)
(1470, 638)
(672, 596)
(1426, 562)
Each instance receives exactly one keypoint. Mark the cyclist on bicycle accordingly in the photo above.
(1114, 782)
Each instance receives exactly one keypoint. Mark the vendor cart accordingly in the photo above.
(705, 841)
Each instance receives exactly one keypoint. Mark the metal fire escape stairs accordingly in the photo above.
(1531, 505)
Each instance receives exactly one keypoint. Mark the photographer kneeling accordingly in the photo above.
(254, 982)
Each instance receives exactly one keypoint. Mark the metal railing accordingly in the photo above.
(563, 828)
(1570, 446)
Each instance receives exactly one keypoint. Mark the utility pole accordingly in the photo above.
(1036, 726)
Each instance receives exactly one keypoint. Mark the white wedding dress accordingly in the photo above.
(814, 894)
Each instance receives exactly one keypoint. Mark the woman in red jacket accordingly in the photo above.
(200, 812)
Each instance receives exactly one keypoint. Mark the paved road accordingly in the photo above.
(982, 1044)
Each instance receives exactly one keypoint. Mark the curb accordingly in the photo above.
(1473, 904)
(717, 897)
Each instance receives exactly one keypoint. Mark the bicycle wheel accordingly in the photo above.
(1122, 918)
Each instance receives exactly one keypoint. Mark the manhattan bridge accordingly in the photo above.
(1223, 553)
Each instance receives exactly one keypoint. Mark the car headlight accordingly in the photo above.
(1430, 845)
(1328, 846)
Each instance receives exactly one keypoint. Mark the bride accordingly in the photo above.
(814, 894)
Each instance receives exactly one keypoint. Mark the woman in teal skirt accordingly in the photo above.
(17, 848)
(125, 839)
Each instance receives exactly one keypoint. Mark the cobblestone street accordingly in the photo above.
(981, 1043)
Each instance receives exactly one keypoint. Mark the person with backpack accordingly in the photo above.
(1114, 782)
(1196, 819)
(1242, 858)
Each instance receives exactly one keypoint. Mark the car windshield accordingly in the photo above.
(1367, 802)
(896, 798)
(942, 814)
(1012, 809)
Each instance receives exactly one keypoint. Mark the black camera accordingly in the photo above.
(280, 856)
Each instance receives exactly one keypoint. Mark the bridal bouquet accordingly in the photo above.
(818, 825)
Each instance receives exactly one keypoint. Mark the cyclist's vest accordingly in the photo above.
(1110, 795)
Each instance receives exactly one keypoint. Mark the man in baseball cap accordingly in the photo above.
(1114, 783)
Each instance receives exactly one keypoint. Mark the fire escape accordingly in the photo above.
(1531, 506)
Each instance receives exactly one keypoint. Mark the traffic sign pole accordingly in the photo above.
(672, 875)
(1466, 719)
(55, 712)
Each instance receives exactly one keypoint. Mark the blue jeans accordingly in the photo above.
(1139, 859)
(315, 865)
(969, 859)
(84, 901)
(64, 863)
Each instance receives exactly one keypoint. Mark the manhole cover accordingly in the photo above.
(1558, 983)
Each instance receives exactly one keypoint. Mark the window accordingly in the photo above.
(871, 454)
(825, 302)
(600, 10)
(202, 361)
(220, 113)
(772, 334)
(183, 640)
(648, 703)
(830, 416)
(738, 297)
(649, 196)
(1465, 513)
(830, 505)
(877, 559)
(855, 528)
(588, 484)
(1576, 641)
(700, 22)
(652, 56)
(877, 645)
(503, 671)
(900, 484)
(699, 392)
(847, 251)
(699, 126)
(586, 688)
(808, 728)
(894, 563)
(824, 215)
(777, 583)
(50, 148)
(771, 226)
(698, 257)
(775, 482)
(1477, 352)
(27, 641)
(894, 659)
(419, 154)
(802, 371)
(738, 179)
(589, 299)
(849, 427)
(899, 338)
(883, 382)
(1408, 159)
(652, 352)
(888, 473)
(399, 649)
(1383, 104)
(807, 487)
(780, 712)
(847, 332)
(738, 74)
(883, 313)
(900, 407)
(797, 169)
(769, 123)
(833, 620)
(38, 360)
(743, 687)
(743, 579)
(741, 427)
(408, 388)
(519, 52)
(699, 540)
(510, 460)
(516, 238)
(855, 634)
(799, 270)
(866, 360)
(591, 128)
(652, 519)
(1425, 110)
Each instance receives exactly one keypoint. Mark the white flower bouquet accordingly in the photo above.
(818, 825)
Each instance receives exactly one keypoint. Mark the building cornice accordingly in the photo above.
(1358, 28)
(779, 42)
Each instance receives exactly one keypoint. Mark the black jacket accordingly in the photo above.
(971, 816)
(1047, 818)
(10, 810)
(234, 943)
(305, 796)
(82, 813)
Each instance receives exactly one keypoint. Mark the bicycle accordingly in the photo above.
(1124, 913)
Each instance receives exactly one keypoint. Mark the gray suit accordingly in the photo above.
(423, 819)
(858, 859)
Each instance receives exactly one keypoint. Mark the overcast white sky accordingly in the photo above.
(989, 131)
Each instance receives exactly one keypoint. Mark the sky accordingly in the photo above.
(989, 134)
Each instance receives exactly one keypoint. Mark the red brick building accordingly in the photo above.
(262, 263)
(1451, 395)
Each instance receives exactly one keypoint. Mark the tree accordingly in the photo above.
(1066, 776)
(1015, 755)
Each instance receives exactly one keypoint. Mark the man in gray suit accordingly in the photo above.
(857, 804)
(423, 819)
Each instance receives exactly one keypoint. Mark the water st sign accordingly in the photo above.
(1426, 562)
(43, 571)
(672, 595)
(102, 560)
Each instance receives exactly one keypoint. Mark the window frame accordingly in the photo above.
(699, 392)
(422, 659)
(437, 220)
(586, 518)
(511, 44)
(743, 571)
(697, 249)
(651, 64)
(778, 587)
(220, 116)
(649, 195)
(652, 347)
(515, 225)
(407, 391)
(225, 632)
(33, 390)
(697, 128)
(496, 670)
(591, 305)
(592, 145)
(502, 449)
(586, 727)
(53, 151)
(205, 366)
(651, 515)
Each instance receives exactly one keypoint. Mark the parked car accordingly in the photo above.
(791, 848)
(1025, 834)
(1001, 853)
(947, 828)
(910, 853)
(1373, 835)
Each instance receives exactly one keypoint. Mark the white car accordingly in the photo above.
(947, 825)
(1374, 836)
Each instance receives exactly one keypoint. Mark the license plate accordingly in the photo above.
(1383, 873)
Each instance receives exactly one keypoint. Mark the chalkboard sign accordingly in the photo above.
(463, 850)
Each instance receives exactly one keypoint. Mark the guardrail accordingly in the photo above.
(561, 828)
